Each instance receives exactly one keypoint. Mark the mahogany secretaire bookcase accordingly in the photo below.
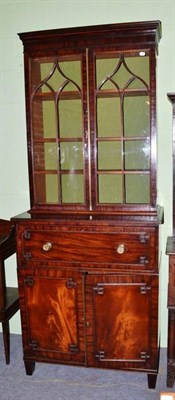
(170, 250)
(88, 247)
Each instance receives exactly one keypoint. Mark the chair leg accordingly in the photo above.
(6, 338)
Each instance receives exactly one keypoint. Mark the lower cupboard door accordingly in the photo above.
(50, 317)
(121, 320)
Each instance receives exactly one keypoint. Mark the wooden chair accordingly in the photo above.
(9, 300)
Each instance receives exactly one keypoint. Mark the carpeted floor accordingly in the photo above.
(59, 382)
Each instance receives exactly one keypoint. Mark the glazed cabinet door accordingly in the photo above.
(51, 313)
(122, 321)
(121, 132)
(58, 127)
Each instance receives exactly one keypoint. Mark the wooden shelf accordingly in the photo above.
(69, 95)
(122, 92)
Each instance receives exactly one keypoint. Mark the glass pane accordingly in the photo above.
(122, 76)
(39, 156)
(70, 118)
(137, 155)
(54, 81)
(104, 68)
(49, 119)
(137, 189)
(45, 156)
(72, 188)
(113, 70)
(52, 195)
(71, 156)
(109, 155)
(136, 116)
(137, 84)
(139, 65)
(121, 68)
(51, 154)
(58, 74)
(110, 188)
(72, 71)
(108, 117)
(43, 118)
(46, 188)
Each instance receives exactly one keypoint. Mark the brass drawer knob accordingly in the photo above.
(120, 249)
(47, 246)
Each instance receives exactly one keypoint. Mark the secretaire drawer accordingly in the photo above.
(133, 247)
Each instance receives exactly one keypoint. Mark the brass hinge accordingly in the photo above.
(144, 289)
(100, 355)
(99, 289)
(70, 283)
(143, 260)
(144, 355)
(27, 235)
(29, 281)
(73, 348)
(143, 237)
